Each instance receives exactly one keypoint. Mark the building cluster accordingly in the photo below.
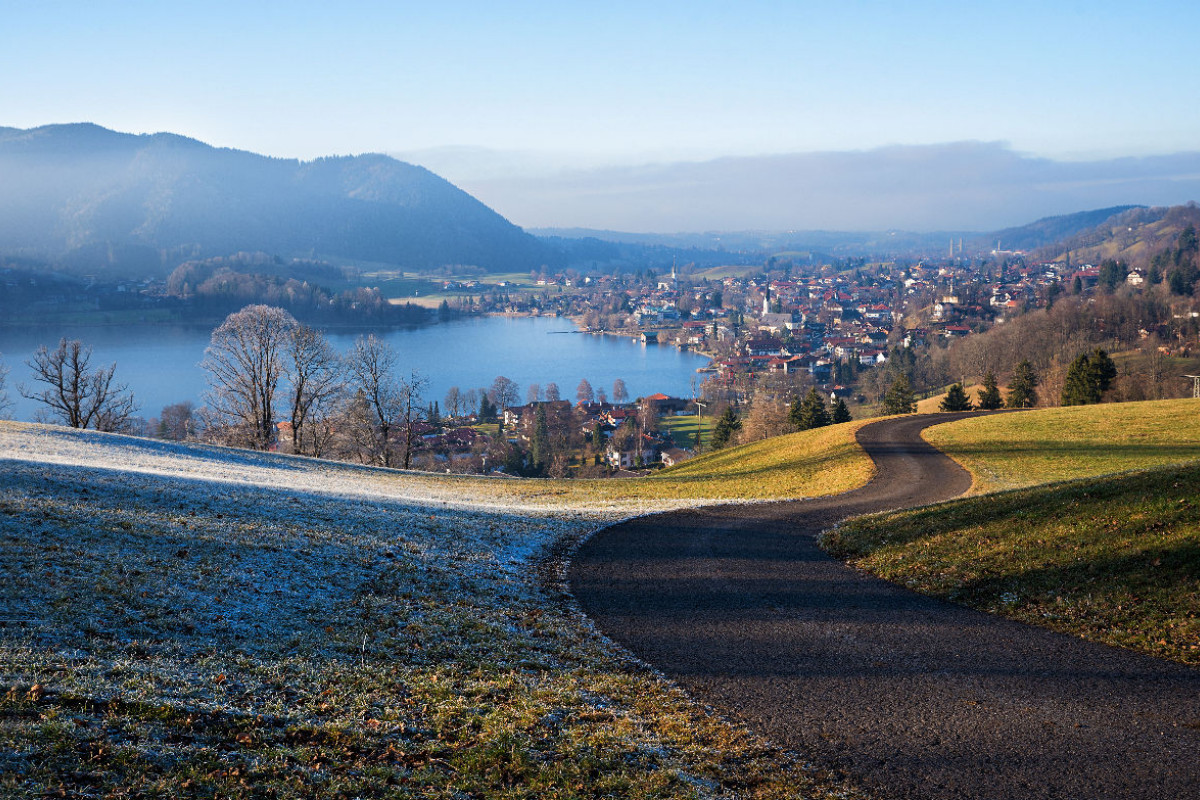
(812, 322)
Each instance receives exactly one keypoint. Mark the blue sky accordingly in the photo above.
(613, 83)
(619, 79)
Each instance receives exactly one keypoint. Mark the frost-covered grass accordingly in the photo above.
(216, 623)
(1008, 451)
(805, 464)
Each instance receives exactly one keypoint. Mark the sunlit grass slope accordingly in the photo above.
(1114, 559)
(200, 622)
(1032, 447)
(805, 464)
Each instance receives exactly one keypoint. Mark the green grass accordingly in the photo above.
(805, 464)
(1115, 560)
(1040, 446)
(683, 429)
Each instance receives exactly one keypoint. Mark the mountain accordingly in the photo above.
(1134, 236)
(87, 197)
(1049, 230)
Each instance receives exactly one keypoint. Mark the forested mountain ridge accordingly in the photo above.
(1134, 237)
(83, 196)
(1050, 230)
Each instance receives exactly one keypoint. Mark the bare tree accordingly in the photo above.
(552, 394)
(533, 393)
(76, 395)
(245, 362)
(583, 392)
(504, 393)
(6, 405)
(372, 368)
(454, 402)
(620, 393)
(470, 401)
(412, 412)
(177, 422)
(314, 373)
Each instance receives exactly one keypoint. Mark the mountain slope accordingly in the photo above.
(80, 193)
(1049, 230)
(1134, 236)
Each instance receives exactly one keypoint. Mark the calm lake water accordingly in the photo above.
(160, 363)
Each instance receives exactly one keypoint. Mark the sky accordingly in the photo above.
(480, 90)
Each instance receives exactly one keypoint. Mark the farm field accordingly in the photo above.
(239, 625)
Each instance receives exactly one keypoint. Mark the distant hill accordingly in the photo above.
(1049, 230)
(90, 198)
(1133, 236)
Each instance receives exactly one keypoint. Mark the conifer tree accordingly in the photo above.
(840, 412)
(899, 398)
(539, 443)
(1088, 378)
(956, 399)
(726, 428)
(1022, 389)
(989, 395)
(810, 412)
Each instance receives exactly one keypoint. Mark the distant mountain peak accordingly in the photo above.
(65, 189)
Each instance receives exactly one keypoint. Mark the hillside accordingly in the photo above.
(234, 624)
(1049, 230)
(1009, 451)
(1133, 236)
(93, 199)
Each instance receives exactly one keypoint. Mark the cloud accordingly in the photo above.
(955, 186)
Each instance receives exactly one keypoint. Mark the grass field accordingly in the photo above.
(1115, 560)
(683, 429)
(205, 622)
(1029, 448)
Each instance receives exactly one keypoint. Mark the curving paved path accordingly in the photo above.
(913, 697)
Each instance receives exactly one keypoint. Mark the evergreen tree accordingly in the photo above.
(1104, 369)
(1112, 273)
(487, 411)
(840, 412)
(1022, 389)
(1088, 378)
(1077, 388)
(539, 443)
(726, 428)
(989, 395)
(809, 413)
(956, 399)
(899, 398)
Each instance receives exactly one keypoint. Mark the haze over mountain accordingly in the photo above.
(83, 194)
(963, 186)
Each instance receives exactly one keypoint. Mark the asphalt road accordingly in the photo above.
(912, 697)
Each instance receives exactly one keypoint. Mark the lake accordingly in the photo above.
(160, 362)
